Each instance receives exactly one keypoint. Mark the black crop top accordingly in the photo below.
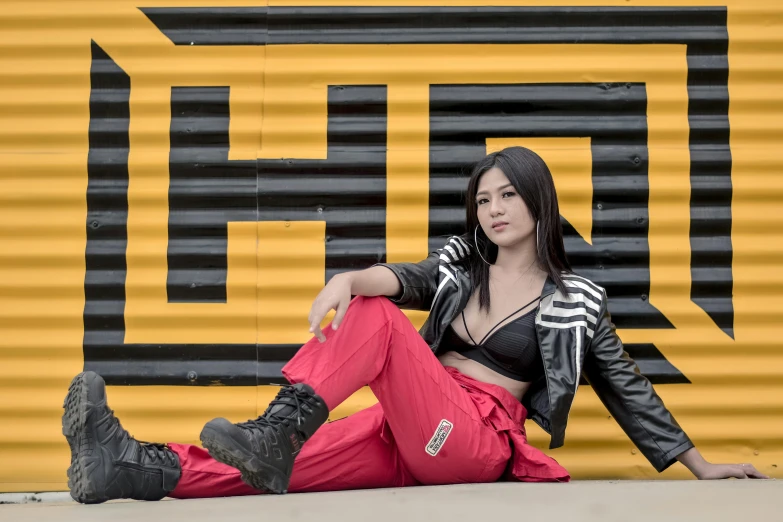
(511, 351)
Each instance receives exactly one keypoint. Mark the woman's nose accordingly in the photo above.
(496, 208)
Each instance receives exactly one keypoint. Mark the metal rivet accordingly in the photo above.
(191, 43)
(94, 224)
(633, 452)
(637, 160)
(192, 376)
(320, 210)
(600, 206)
(287, 224)
(644, 297)
(756, 452)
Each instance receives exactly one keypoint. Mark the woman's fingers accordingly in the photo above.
(341, 309)
(751, 471)
(316, 316)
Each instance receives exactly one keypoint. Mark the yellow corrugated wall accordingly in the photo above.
(733, 407)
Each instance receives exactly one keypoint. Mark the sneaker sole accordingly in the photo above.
(74, 422)
(259, 475)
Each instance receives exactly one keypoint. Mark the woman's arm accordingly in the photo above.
(418, 281)
(639, 410)
(336, 295)
(376, 280)
(408, 285)
(704, 470)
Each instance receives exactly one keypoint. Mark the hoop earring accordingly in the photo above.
(475, 241)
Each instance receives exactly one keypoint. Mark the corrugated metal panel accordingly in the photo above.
(158, 159)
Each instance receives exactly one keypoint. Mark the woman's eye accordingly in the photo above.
(509, 193)
(479, 202)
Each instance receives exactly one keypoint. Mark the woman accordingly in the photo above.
(451, 409)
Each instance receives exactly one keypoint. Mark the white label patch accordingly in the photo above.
(439, 438)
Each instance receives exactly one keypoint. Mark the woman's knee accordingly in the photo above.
(375, 311)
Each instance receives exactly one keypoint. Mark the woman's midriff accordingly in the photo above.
(482, 373)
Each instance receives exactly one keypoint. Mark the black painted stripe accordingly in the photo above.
(211, 25)
(107, 201)
(189, 364)
(436, 25)
(654, 365)
(206, 192)
(179, 369)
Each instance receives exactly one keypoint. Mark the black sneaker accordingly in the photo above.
(263, 450)
(106, 462)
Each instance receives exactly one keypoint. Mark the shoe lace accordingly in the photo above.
(157, 451)
(301, 400)
(114, 428)
(154, 451)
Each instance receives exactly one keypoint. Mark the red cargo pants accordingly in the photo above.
(432, 425)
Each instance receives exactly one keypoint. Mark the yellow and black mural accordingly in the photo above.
(179, 179)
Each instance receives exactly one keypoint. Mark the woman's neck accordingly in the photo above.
(518, 259)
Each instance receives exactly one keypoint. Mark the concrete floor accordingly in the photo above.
(622, 501)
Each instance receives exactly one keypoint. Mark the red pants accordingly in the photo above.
(432, 424)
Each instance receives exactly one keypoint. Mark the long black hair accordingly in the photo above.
(530, 176)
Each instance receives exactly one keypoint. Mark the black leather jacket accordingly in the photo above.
(576, 337)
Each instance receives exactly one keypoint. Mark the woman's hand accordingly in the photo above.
(336, 295)
(704, 470)
(721, 471)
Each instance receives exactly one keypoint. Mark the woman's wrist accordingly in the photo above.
(350, 280)
(693, 460)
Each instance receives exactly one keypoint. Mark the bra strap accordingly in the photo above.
(466, 329)
(501, 321)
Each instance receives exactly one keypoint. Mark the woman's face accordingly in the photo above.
(499, 204)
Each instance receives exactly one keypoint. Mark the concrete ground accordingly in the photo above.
(598, 501)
